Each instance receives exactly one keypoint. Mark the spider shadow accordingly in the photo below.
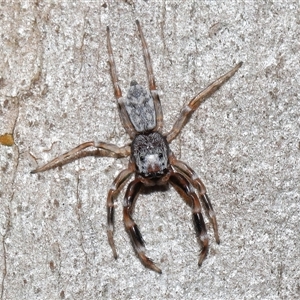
(148, 190)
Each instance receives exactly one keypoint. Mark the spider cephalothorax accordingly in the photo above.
(150, 153)
(151, 159)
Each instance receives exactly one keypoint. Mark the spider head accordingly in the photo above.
(150, 153)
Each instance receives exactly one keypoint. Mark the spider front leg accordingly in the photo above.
(186, 190)
(182, 167)
(112, 194)
(103, 150)
(132, 192)
(188, 110)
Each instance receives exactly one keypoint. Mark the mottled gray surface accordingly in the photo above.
(55, 93)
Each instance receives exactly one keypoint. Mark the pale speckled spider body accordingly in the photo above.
(151, 159)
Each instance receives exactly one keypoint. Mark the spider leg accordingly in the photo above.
(189, 109)
(182, 167)
(132, 192)
(117, 185)
(186, 190)
(118, 93)
(151, 81)
(104, 149)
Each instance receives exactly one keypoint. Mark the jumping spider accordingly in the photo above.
(151, 160)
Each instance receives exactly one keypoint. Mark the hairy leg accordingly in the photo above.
(189, 109)
(117, 185)
(103, 149)
(186, 190)
(132, 192)
(118, 93)
(151, 81)
(182, 167)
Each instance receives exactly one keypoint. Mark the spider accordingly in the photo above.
(151, 159)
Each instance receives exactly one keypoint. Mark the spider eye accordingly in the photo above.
(160, 155)
(142, 158)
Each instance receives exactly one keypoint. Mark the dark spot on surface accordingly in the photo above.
(51, 265)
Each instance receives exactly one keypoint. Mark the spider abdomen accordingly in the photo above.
(140, 108)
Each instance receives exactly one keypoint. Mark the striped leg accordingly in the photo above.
(112, 194)
(186, 190)
(132, 192)
(182, 167)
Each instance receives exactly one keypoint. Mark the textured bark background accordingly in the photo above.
(56, 92)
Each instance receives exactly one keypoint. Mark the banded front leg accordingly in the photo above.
(132, 192)
(112, 194)
(186, 190)
(182, 167)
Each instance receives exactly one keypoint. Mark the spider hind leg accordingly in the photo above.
(151, 80)
(189, 109)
